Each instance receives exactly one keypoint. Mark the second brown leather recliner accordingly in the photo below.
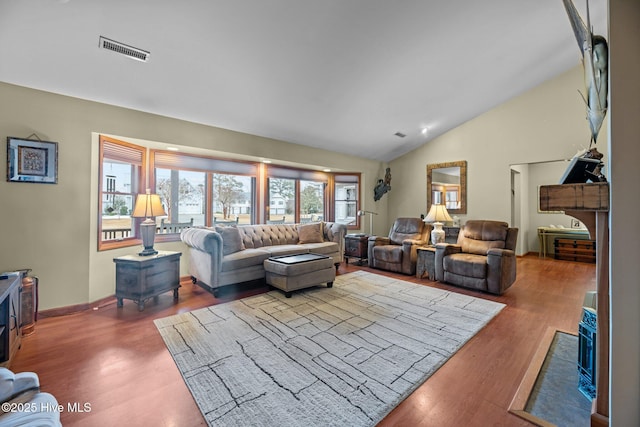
(483, 259)
(397, 252)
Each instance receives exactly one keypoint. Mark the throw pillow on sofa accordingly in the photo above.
(311, 233)
(231, 240)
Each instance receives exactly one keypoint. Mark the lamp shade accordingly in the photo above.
(438, 213)
(147, 206)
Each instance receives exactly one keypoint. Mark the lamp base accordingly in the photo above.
(147, 252)
(148, 234)
(437, 234)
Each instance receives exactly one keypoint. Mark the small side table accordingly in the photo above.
(355, 246)
(426, 262)
(139, 278)
(451, 234)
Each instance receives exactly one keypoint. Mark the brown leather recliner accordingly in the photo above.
(398, 251)
(483, 259)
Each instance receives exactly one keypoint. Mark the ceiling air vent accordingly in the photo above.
(400, 134)
(123, 49)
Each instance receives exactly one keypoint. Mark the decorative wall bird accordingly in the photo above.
(595, 61)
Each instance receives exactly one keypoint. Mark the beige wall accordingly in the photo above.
(52, 229)
(545, 123)
(624, 52)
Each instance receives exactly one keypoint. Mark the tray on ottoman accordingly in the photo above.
(292, 272)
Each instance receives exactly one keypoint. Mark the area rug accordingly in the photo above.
(345, 355)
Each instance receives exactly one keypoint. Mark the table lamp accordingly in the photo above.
(436, 215)
(371, 214)
(148, 206)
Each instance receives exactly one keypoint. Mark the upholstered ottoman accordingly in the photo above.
(292, 272)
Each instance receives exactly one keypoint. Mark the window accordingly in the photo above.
(200, 190)
(296, 195)
(183, 197)
(311, 201)
(282, 193)
(233, 198)
(122, 167)
(347, 199)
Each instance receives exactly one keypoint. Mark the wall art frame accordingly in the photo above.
(32, 160)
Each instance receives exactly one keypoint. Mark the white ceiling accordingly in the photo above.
(339, 74)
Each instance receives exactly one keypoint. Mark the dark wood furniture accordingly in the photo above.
(426, 262)
(590, 204)
(10, 334)
(139, 278)
(575, 250)
(355, 246)
(544, 233)
(451, 234)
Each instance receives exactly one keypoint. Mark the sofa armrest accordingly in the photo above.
(410, 242)
(371, 243)
(501, 270)
(205, 253)
(335, 232)
(442, 250)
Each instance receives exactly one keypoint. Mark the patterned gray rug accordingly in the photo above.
(340, 356)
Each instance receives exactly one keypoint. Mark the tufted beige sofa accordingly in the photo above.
(212, 264)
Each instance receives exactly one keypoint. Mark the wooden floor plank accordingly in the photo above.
(115, 360)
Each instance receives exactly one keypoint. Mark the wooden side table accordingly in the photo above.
(426, 262)
(139, 278)
(355, 246)
(451, 234)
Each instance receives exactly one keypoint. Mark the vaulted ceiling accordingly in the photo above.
(344, 75)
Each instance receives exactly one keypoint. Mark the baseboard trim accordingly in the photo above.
(77, 308)
(519, 402)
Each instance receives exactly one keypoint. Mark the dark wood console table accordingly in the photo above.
(142, 277)
(590, 204)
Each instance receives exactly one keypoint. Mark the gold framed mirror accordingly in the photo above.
(447, 184)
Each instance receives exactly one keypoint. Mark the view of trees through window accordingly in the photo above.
(184, 195)
(282, 200)
(232, 198)
(283, 197)
(311, 201)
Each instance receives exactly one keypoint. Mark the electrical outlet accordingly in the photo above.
(575, 223)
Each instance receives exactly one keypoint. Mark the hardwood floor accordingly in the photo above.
(114, 359)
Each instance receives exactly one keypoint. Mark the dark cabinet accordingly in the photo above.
(10, 335)
(355, 246)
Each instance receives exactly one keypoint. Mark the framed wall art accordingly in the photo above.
(32, 160)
